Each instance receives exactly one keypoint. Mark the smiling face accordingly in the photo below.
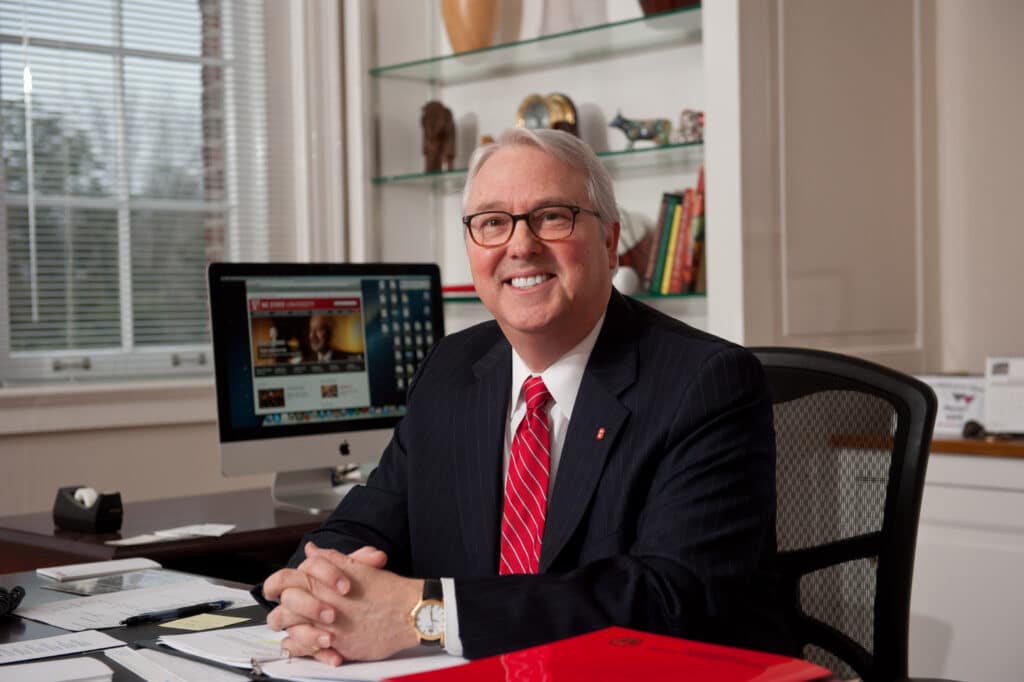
(546, 296)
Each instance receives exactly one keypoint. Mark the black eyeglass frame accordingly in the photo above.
(525, 217)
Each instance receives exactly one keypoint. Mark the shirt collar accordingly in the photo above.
(563, 377)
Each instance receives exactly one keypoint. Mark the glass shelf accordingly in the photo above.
(470, 298)
(677, 27)
(617, 162)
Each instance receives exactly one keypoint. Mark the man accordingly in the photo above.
(632, 484)
(320, 338)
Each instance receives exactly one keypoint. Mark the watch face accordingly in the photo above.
(430, 619)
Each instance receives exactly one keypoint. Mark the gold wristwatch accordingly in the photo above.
(427, 617)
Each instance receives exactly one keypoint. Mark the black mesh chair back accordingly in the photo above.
(852, 441)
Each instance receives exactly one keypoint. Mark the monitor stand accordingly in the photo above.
(313, 491)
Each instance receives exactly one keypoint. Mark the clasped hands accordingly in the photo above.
(339, 607)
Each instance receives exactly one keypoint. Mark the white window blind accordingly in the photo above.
(134, 136)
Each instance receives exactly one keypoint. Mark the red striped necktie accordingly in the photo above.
(526, 488)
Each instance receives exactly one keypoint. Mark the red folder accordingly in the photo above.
(623, 654)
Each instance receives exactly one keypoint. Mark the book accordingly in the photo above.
(617, 653)
(670, 251)
(652, 253)
(696, 235)
(675, 281)
(659, 254)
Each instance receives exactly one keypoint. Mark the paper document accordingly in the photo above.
(207, 530)
(83, 669)
(235, 647)
(108, 610)
(58, 645)
(238, 647)
(154, 666)
(96, 568)
(418, 660)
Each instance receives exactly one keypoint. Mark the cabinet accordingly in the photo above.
(817, 223)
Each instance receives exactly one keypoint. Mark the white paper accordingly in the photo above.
(154, 666)
(144, 539)
(238, 646)
(58, 645)
(233, 646)
(96, 568)
(1004, 395)
(108, 610)
(418, 660)
(83, 669)
(198, 530)
(210, 530)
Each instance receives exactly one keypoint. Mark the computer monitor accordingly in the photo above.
(312, 365)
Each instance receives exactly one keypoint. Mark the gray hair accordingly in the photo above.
(564, 147)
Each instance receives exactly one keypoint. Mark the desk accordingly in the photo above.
(263, 539)
(15, 629)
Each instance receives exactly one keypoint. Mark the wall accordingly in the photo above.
(979, 148)
(142, 463)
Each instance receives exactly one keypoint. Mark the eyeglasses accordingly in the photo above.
(547, 223)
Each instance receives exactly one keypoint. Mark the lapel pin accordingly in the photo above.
(600, 433)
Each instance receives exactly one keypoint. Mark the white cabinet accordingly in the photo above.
(967, 608)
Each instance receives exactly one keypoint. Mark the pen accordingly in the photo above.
(182, 612)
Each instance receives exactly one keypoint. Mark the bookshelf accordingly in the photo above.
(787, 262)
(620, 65)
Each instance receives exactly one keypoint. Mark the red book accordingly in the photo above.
(622, 654)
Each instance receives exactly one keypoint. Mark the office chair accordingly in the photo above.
(852, 441)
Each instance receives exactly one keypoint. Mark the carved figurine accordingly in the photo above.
(438, 136)
(691, 125)
(655, 129)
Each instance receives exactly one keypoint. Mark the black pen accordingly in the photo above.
(182, 612)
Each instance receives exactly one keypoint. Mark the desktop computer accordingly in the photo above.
(312, 365)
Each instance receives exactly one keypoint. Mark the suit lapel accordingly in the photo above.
(597, 421)
(479, 440)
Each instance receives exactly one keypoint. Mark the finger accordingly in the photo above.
(305, 640)
(282, 618)
(307, 605)
(328, 656)
(370, 556)
(280, 580)
(325, 573)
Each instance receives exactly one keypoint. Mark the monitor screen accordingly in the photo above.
(313, 361)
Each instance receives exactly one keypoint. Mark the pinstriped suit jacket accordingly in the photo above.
(665, 524)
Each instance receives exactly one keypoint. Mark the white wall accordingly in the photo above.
(979, 151)
(142, 463)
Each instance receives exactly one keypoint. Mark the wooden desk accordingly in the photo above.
(263, 538)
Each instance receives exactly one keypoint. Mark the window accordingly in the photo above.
(133, 143)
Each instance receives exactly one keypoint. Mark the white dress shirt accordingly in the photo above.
(562, 379)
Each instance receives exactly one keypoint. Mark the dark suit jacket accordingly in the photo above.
(665, 524)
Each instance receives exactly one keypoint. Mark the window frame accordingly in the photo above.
(308, 38)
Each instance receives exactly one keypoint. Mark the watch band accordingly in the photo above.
(432, 589)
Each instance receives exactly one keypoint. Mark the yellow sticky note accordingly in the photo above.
(204, 621)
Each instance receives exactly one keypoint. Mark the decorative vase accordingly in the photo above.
(470, 23)
(657, 6)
